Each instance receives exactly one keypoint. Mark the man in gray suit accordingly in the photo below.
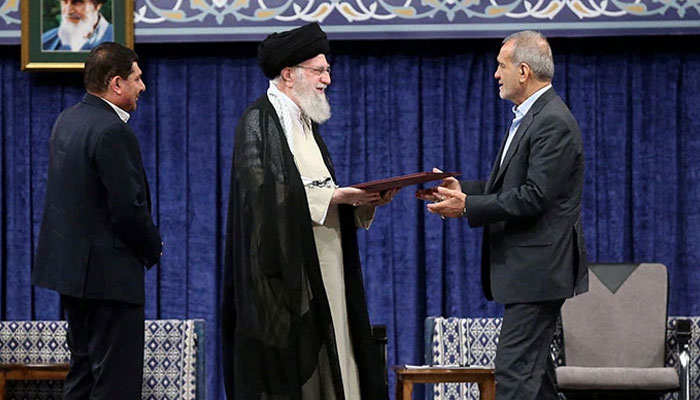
(97, 233)
(533, 254)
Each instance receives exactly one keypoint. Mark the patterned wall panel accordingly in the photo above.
(170, 357)
(33, 342)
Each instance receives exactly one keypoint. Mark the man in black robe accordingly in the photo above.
(279, 337)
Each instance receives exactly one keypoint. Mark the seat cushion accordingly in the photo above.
(589, 378)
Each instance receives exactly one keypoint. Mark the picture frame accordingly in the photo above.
(44, 31)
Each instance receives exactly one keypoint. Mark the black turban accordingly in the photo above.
(286, 49)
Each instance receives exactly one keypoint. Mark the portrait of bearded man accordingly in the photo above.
(82, 27)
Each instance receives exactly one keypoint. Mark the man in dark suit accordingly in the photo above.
(533, 255)
(97, 233)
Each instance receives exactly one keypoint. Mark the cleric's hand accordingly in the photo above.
(385, 198)
(354, 196)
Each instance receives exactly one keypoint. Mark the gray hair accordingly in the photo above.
(532, 48)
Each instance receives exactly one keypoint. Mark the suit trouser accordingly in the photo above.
(106, 343)
(524, 368)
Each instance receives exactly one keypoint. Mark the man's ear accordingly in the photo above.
(523, 71)
(115, 84)
(287, 76)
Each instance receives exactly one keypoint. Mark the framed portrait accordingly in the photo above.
(59, 34)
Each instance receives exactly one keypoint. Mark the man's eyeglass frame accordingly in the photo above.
(317, 70)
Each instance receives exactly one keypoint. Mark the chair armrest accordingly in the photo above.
(683, 334)
(380, 339)
(428, 336)
(201, 379)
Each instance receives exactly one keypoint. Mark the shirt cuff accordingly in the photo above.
(364, 215)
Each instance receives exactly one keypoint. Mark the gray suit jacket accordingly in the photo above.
(530, 208)
(97, 233)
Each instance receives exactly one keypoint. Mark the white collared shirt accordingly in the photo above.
(520, 111)
(123, 115)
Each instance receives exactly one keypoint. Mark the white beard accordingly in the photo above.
(75, 35)
(313, 104)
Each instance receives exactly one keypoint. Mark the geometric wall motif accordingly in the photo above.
(170, 357)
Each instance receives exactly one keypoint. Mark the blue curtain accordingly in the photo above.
(398, 107)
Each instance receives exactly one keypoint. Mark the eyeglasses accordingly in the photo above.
(318, 71)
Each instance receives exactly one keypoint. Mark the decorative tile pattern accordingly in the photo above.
(221, 11)
(233, 20)
(481, 340)
(36, 342)
(169, 360)
(170, 357)
(452, 350)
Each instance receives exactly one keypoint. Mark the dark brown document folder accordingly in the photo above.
(396, 182)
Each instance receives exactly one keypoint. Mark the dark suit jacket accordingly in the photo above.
(97, 233)
(530, 209)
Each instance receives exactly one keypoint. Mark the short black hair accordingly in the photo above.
(106, 61)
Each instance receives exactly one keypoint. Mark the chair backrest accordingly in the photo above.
(621, 320)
